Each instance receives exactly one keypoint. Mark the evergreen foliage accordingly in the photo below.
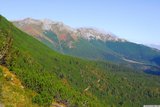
(72, 81)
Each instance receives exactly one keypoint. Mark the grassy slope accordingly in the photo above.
(134, 51)
(113, 51)
(83, 48)
(73, 81)
(13, 93)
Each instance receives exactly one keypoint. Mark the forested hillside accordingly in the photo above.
(90, 43)
(71, 81)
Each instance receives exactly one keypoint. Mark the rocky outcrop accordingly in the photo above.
(60, 28)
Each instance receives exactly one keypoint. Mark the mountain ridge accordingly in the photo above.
(89, 43)
(47, 25)
(69, 80)
(156, 46)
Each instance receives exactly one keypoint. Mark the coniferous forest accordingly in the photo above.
(48, 77)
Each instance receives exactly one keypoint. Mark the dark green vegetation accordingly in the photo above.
(72, 81)
(75, 42)
(134, 51)
(107, 51)
(1, 74)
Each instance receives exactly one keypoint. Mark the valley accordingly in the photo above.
(79, 53)
(48, 76)
(90, 43)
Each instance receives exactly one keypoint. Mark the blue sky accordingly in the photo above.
(134, 20)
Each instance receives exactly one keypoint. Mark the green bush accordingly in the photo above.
(64, 79)
(1, 72)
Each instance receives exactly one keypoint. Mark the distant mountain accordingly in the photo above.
(33, 75)
(38, 27)
(89, 43)
(154, 46)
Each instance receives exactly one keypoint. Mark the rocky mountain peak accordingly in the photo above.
(93, 33)
(58, 27)
(30, 21)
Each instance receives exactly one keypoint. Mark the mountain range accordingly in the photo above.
(33, 74)
(154, 46)
(90, 43)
